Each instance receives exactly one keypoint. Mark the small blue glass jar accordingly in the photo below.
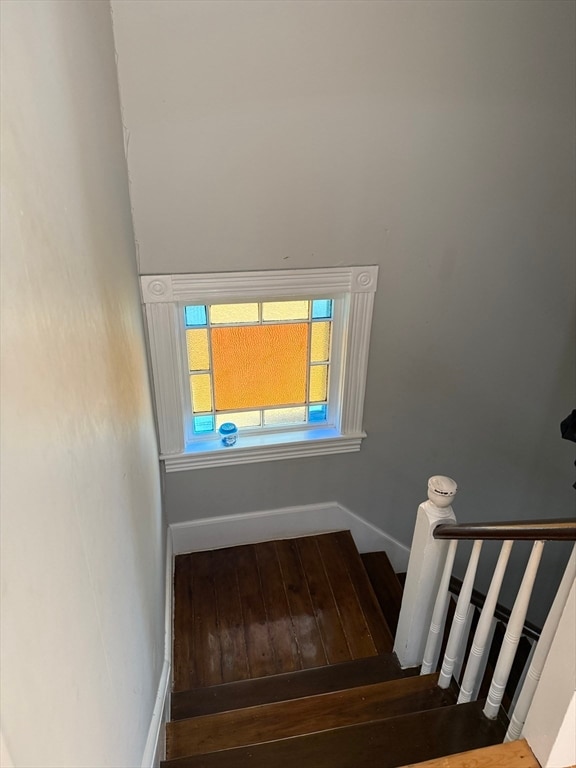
(229, 433)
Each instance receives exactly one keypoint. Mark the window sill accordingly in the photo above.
(256, 448)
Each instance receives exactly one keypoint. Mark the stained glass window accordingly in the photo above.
(285, 310)
(198, 354)
(319, 342)
(201, 390)
(318, 383)
(203, 424)
(322, 308)
(241, 419)
(284, 416)
(259, 364)
(195, 315)
(317, 413)
(233, 313)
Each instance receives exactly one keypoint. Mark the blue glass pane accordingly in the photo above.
(204, 424)
(317, 413)
(195, 315)
(321, 309)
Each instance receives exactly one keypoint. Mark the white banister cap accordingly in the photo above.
(441, 490)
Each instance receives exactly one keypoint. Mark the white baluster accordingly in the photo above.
(541, 653)
(458, 664)
(480, 645)
(484, 660)
(528, 663)
(456, 638)
(432, 650)
(513, 634)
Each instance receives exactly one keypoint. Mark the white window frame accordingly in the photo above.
(164, 297)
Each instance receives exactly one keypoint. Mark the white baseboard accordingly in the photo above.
(153, 751)
(290, 522)
(155, 748)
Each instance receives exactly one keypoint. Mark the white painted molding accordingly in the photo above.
(352, 289)
(356, 365)
(289, 522)
(166, 362)
(221, 456)
(154, 751)
(363, 279)
(226, 286)
(156, 288)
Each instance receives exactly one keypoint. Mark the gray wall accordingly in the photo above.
(435, 139)
(82, 569)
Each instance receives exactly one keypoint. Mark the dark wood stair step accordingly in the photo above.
(290, 685)
(390, 743)
(382, 635)
(285, 719)
(386, 585)
(271, 608)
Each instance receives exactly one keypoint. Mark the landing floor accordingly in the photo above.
(263, 609)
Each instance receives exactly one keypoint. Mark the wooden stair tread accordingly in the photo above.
(382, 636)
(284, 719)
(290, 685)
(514, 754)
(386, 584)
(272, 608)
(396, 741)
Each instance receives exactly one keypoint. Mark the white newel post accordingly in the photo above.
(427, 557)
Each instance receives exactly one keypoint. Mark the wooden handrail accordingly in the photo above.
(557, 529)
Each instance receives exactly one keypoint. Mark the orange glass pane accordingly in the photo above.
(320, 342)
(197, 343)
(259, 366)
(201, 391)
(318, 383)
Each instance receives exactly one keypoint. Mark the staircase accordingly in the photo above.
(283, 657)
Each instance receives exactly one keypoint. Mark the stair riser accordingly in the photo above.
(250, 693)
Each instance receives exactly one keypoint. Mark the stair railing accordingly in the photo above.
(427, 596)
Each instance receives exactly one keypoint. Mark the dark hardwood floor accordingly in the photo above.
(272, 608)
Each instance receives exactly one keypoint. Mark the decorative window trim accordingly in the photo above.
(163, 297)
